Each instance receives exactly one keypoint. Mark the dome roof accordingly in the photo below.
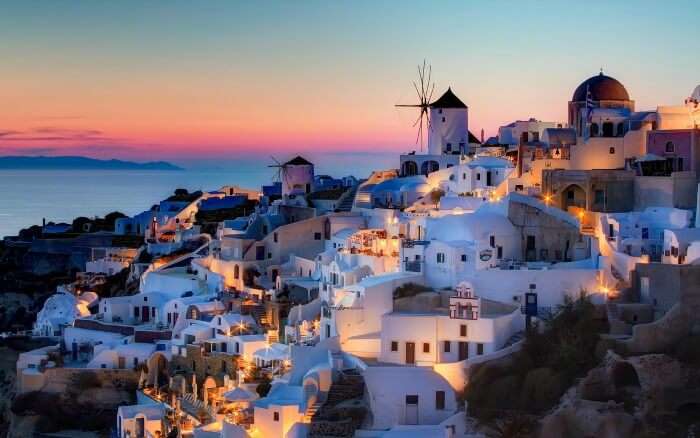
(696, 93)
(602, 88)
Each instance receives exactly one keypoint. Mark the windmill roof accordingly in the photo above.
(448, 100)
(473, 138)
(298, 161)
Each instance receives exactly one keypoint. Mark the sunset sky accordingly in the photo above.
(198, 82)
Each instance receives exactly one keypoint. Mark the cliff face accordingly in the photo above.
(646, 395)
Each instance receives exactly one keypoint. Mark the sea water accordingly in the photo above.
(29, 196)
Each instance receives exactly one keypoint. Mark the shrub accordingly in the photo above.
(547, 364)
(409, 290)
(263, 388)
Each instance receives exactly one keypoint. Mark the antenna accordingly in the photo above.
(424, 89)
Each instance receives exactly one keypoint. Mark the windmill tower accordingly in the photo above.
(444, 121)
(296, 176)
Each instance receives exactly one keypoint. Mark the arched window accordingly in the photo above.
(594, 129)
(236, 272)
(620, 129)
(670, 147)
(608, 129)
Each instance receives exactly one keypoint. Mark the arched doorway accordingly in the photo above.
(608, 129)
(429, 166)
(409, 168)
(624, 375)
(573, 196)
(158, 374)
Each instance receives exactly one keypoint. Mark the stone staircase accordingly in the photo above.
(334, 417)
(347, 199)
(193, 406)
(517, 337)
(259, 315)
(311, 411)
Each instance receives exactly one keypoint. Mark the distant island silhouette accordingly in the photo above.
(82, 163)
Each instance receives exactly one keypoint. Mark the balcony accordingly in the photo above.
(413, 266)
(410, 243)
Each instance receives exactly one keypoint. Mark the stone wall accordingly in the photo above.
(204, 364)
(59, 380)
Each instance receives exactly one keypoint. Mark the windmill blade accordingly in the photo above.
(418, 120)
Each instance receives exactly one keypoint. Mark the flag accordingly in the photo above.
(589, 103)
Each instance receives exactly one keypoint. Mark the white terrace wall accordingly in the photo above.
(551, 284)
(458, 373)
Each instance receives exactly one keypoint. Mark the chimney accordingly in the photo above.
(482, 135)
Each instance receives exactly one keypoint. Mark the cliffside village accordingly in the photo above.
(346, 307)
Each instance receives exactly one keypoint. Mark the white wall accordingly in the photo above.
(551, 284)
(387, 388)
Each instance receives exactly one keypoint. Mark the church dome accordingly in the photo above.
(602, 88)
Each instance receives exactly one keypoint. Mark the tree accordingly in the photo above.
(435, 196)
(111, 218)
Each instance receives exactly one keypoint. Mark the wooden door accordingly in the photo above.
(463, 350)
(410, 353)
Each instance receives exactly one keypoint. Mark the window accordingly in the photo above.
(645, 233)
(478, 176)
(670, 147)
(274, 237)
(145, 299)
(464, 257)
(276, 416)
(440, 257)
(439, 400)
(317, 236)
(620, 129)
(612, 150)
(464, 176)
(448, 147)
(426, 347)
(236, 272)
(479, 348)
(411, 399)
(492, 241)
(674, 251)
(136, 312)
(136, 361)
(499, 252)
(463, 330)
(153, 312)
(594, 129)
(269, 255)
(447, 346)
(443, 120)
(599, 197)
(394, 346)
